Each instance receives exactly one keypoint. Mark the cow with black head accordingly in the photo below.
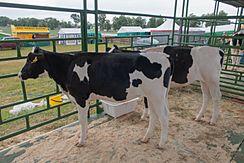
(121, 77)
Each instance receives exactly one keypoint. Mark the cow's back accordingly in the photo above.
(115, 75)
(192, 63)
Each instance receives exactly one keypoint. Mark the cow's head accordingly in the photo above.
(34, 65)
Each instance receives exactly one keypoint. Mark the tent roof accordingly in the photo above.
(222, 28)
(69, 31)
(168, 25)
(149, 29)
(72, 31)
(127, 29)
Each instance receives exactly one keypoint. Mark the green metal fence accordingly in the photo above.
(232, 82)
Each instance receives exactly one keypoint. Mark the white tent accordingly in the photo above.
(168, 26)
(128, 29)
(69, 31)
(222, 28)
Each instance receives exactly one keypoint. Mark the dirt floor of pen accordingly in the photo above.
(118, 140)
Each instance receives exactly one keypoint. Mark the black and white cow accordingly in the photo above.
(85, 76)
(191, 64)
(236, 52)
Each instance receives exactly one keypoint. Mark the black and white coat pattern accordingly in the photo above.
(121, 77)
(191, 64)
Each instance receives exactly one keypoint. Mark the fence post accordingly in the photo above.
(173, 32)
(96, 25)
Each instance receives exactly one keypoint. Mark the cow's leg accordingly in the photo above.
(206, 95)
(152, 122)
(82, 115)
(160, 107)
(163, 115)
(216, 96)
(145, 113)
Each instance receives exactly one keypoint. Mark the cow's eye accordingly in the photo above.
(34, 60)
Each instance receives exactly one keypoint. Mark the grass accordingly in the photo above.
(11, 90)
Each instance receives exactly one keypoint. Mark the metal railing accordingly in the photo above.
(25, 98)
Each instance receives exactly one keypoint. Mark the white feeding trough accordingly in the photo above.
(115, 109)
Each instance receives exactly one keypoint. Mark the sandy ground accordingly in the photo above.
(118, 140)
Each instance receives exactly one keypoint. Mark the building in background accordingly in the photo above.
(24, 32)
(76, 33)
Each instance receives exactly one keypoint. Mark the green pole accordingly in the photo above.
(54, 45)
(238, 9)
(181, 21)
(173, 33)
(23, 90)
(215, 23)
(239, 23)
(96, 25)
(212, 24)
(186, 20)
(84, 27)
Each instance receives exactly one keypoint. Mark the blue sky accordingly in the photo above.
(163, 7)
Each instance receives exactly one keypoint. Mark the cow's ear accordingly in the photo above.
(36, 49)
(116, 47)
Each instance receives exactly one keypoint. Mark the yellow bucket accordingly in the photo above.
(55, 100)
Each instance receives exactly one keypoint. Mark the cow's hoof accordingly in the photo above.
(212, 123)
(197, 119)
(145, 140)
(80, 144)
(137, 142)
(144, 117)
(160, 147)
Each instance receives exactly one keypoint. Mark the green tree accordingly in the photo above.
(220, 22)
(119, 21)
(76, 18)
(52, 23)
(194, 22)
(152, 23)
(155, 22)
(107, 25)
(4, 21)
(101, 21)
(159, 21)
(139, 21)
(64, 24)
(90, 25)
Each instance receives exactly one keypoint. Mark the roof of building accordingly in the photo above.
(69, 31)
(236, 3)
(168, 25)
(128, 29)
(72, 31)
(222, 28)
(25, 29)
